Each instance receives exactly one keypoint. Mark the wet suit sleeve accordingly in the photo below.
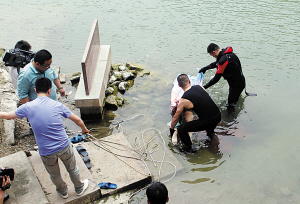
(221, 68)
(210, 66)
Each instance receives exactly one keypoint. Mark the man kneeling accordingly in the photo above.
(45, 116)
(197, 99)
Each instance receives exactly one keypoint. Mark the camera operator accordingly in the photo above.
(4, 196)
(13, 71)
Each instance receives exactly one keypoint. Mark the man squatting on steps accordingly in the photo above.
(45, 116)
(197, 99)
(229, 66)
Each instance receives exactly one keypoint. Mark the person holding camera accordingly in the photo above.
(20, 46)
(40, 66)
(4, 196)
(5, 173)
(45, 116)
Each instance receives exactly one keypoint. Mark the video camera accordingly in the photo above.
(17, 57)
(6, 172)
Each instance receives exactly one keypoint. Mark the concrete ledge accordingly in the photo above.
(92, 193)
(8, 100)
(93, 103)
(167, 170)
(25, 188)
(127, 173)
(8, 105)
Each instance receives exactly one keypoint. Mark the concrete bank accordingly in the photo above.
(32, 183)
(110, 162)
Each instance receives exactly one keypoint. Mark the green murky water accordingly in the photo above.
(257, 159)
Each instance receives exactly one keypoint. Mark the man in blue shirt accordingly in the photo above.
(39, 67)
(45, 116)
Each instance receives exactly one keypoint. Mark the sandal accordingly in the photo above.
(81, 150)
(108, 185)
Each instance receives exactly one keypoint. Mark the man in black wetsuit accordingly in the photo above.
(229, 66)
(197, 99)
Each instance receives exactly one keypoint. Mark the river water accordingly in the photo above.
(257, 160)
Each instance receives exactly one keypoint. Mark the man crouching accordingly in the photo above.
(197, 99)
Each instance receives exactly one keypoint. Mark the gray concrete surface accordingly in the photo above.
(93, 103)
(96, 63)
(8, 105)
(8, 102)
(25, 188)
(92, 192)
(109, 166)
(157, 153)
(32, 183)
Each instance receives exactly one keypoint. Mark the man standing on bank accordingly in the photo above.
(197, 99)
(229, 66)
(45, 116)
(39, 67)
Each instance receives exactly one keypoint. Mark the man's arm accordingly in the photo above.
(210, 66)
(176, 117)
(214, 80)
(23, 88)
(8, 115)
(183, 103)
(58, 85)
(25, 100)
(220, 70)
(76, 119)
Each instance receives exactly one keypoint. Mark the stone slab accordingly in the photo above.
(62, 78)
(99, 85)
(92, 104)
(25, 188)
(92, 193)
(8, 102)
(8, 105)
(107, 166)
(90, 56)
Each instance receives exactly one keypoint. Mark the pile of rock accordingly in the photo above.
(121, 79)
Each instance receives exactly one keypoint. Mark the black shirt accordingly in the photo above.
(204, 106)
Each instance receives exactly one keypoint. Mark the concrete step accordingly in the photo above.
(112, 160)
(32, 183)
(90, 194)
(25, 188)
(114, 163)
(161, 162)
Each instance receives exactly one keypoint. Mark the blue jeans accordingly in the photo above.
(67, 156)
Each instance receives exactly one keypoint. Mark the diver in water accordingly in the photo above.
(229, 66)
